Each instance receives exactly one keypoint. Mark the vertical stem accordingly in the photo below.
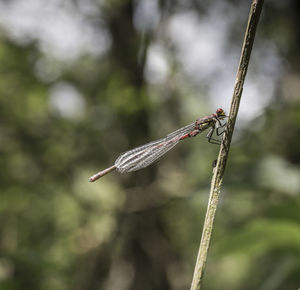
(219, 170)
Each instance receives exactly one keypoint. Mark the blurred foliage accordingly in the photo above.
(142, 230)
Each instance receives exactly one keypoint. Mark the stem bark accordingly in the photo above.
(219, 170)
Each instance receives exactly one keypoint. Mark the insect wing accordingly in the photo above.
(145, 155)
(182, 131)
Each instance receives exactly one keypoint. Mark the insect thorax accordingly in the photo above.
(206, 124)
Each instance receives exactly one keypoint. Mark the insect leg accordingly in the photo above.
(210, 139)
(220, 126)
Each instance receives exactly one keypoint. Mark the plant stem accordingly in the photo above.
(219, 170)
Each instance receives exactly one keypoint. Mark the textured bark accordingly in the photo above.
(219, 170)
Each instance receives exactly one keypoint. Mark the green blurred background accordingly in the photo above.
(84, 80)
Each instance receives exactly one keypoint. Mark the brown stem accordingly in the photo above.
(219, 170)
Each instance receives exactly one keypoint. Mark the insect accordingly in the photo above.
(147, 154)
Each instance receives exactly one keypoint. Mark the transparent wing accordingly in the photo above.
(145, 155)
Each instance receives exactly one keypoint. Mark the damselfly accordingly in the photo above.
(145, 155)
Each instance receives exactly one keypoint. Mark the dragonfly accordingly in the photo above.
(147, 154)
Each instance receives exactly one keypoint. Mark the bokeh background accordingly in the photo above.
(82, 81)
